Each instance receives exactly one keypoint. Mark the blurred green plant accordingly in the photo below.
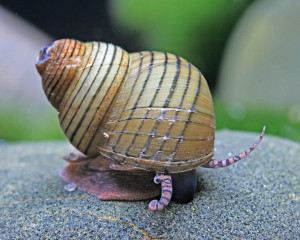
(196, 29)
(238, 117)
(15, 126)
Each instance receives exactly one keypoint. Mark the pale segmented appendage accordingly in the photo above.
(226, 162)
(83, 81)
(166, 193)
(163, 119)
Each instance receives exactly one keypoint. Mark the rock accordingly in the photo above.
(257, 198)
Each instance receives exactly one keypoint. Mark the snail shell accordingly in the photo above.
(148, 110)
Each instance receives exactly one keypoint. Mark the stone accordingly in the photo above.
(257, 198)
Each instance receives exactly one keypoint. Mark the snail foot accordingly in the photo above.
(95, 176)
(166, 193)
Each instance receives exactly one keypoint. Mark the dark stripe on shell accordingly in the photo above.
(133, 87)
(150, 106)
(168, 99)
(59, 81)
(66, 112)
(98, 90)
(187, 122)
(113, 100)
(94, 95)
(136, 103)
(54, 67)
(62, 89)
(79, 90)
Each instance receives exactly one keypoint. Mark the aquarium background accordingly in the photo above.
(247, 50)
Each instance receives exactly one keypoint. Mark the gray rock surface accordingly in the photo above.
(257, 198)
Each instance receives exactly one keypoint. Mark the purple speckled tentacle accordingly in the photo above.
(166, 193)
(213, 163)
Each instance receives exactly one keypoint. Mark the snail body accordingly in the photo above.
(146, 110)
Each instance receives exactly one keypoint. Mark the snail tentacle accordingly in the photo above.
(166, 193)
(213, 163)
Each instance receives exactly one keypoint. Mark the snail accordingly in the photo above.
(133, 117)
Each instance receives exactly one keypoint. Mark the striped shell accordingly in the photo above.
(149, 110)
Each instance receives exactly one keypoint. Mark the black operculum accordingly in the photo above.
(184, 186)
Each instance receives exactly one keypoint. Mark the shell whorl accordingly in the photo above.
(163, 119)
(148, 110)
(57, 64)
(82, 81)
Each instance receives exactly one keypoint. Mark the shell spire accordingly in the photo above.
(82, 81)
(57, 64)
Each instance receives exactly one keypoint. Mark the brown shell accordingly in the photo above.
(148, 110)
